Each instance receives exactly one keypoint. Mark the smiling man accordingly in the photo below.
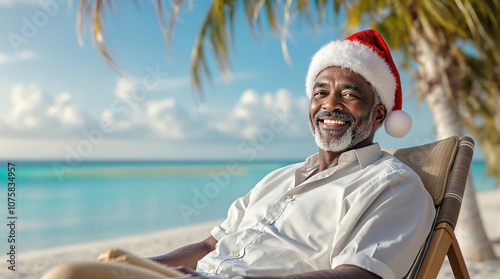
(343, 109)
(349, 211)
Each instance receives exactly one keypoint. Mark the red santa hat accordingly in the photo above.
(366, 54)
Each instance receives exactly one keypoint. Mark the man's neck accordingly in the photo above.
(329, 159)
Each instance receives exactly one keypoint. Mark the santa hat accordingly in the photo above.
(366, 54)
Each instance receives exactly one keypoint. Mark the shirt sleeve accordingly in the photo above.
(385, 236)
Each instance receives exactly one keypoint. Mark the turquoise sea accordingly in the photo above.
(59, 204)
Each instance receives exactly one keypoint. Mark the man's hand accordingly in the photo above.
(188, 255)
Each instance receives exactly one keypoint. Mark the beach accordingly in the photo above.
(33, 264)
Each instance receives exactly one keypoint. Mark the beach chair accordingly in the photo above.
(443, 167)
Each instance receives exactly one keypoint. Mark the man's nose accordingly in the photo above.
(333, 102)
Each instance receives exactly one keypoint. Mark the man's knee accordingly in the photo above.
(96, 270)
(66, 271)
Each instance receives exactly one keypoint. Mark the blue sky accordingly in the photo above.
(60, 100)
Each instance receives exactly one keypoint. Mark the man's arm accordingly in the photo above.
(188, 255)
(341, 272)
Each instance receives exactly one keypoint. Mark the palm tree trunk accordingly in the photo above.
(438, 78)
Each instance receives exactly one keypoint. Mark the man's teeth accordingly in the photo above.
(331, 121)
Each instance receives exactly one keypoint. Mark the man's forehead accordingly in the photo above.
(323, 78)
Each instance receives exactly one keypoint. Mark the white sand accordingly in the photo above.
(31, 265)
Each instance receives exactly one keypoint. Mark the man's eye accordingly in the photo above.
(350, 95)
(320, 93)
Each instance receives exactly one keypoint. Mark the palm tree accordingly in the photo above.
(453, 44)
(431, 33)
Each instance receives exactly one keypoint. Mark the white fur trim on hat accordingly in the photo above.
(398, 123)
(359, 58)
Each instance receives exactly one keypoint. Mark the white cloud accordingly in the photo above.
(35, 113)
(22, 55)
(28, 104)
(65, 111)
(167, 119)
(126, 113)
(254, 113)
(123, 88)
(132, 115)
(276, 118)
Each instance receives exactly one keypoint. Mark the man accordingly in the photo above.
(349, 211)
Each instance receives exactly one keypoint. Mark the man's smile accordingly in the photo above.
(333, 121)
(332, 124)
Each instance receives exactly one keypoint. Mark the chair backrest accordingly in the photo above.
(443, 167)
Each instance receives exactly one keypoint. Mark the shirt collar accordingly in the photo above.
(364, 156)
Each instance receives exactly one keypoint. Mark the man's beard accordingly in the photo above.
(350, 138)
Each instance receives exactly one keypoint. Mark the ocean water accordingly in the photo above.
(57, 204)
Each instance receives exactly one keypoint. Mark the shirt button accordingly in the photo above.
(289, 197)
(211, 271)
(236, 254)
(269, 222)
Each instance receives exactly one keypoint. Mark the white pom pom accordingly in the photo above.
(398, 123)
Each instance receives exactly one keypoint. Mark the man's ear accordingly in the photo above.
(379, 115)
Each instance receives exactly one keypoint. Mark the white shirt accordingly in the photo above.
(371, 211)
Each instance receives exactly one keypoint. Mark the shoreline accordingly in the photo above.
(143, 245)
(33, 264)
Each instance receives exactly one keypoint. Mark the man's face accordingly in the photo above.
(342, 112)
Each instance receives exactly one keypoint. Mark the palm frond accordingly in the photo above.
(284, 31)
(95, 13)
(456, 27)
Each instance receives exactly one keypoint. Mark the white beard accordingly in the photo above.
(348, 139)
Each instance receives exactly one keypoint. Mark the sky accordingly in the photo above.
(61, 101)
